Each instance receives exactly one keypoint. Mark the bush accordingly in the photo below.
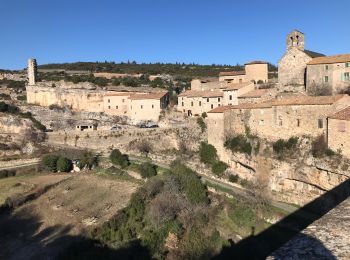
(207, 153)
(204, 115)
(201, 124)
(190, 182)
(117, 158)
(281, 146)
(6, 108)
(88, 160)
(4, 147)
(218, 168)
(22, 98)
(7, 173)
(233, 178)
(50, 162)
(64, 164)
(147, 170)
(240, 144)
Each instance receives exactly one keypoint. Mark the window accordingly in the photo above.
(298, 122)
(123, 100)
(240, 80)
(131, 107)
(326, 67)
(347, 65)
(211, 106)
(109, 101)
(326, 79)
(341, 126)
(218, 99)
(346, 76)
(280, 122)
(153, 105)
(200, 103)
(207, 99)
(191, 103)
(183, 104)
(141, 106)
(320, 123)
(230, 97)
(109, 107)
(116, 107)
(219, 105)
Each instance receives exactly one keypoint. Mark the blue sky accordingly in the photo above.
(200, 31)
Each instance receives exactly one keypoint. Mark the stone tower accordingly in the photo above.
(32, 72)
(295, 40)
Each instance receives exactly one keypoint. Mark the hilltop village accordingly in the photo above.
(275, 137)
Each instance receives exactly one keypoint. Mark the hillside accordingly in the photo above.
(178, 69)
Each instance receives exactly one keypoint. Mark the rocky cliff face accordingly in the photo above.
(297, 179)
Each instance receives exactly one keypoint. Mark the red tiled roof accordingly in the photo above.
(307, 100)
(157, 95)
(330, 59)
(256, 62)
(342, 114)
(201, 93)
(256, 93)
(231, 73)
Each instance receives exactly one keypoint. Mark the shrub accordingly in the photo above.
(281, 146)
(7, 173)
(207, 153)
(118, 158)
(218, 168)
(204, 115)
(144, 147)
(22, 98)
(4, 147)
(190, 182)
(239, 143)
(64, 164)
(6, 108)
(50, 162)
(88, 160)
(330, 152)
(201, 124)
(147, 170)
(233, 178)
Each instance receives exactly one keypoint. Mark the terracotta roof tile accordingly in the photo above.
(231, 73)
(330, 59)
(202, 93)
(342, 114)
(256, 93)
(307, 100)
(256, 62)
(158, 95)
(236, 86)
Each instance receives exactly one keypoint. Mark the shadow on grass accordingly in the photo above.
(22, 237)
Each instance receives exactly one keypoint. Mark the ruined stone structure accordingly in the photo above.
(32, 72)
(330, 74)
(292, 65)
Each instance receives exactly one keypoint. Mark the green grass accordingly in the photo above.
(12, 186)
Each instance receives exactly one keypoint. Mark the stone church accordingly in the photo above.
(292, 65)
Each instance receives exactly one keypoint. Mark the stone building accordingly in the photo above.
(32, 72)
(195, 102)
(137, 106)
(207, 84)
(330, 74)
(278, 118)
(292, 65)
(339, 132)
(254, 71)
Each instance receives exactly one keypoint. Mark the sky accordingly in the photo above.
(199, 31)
